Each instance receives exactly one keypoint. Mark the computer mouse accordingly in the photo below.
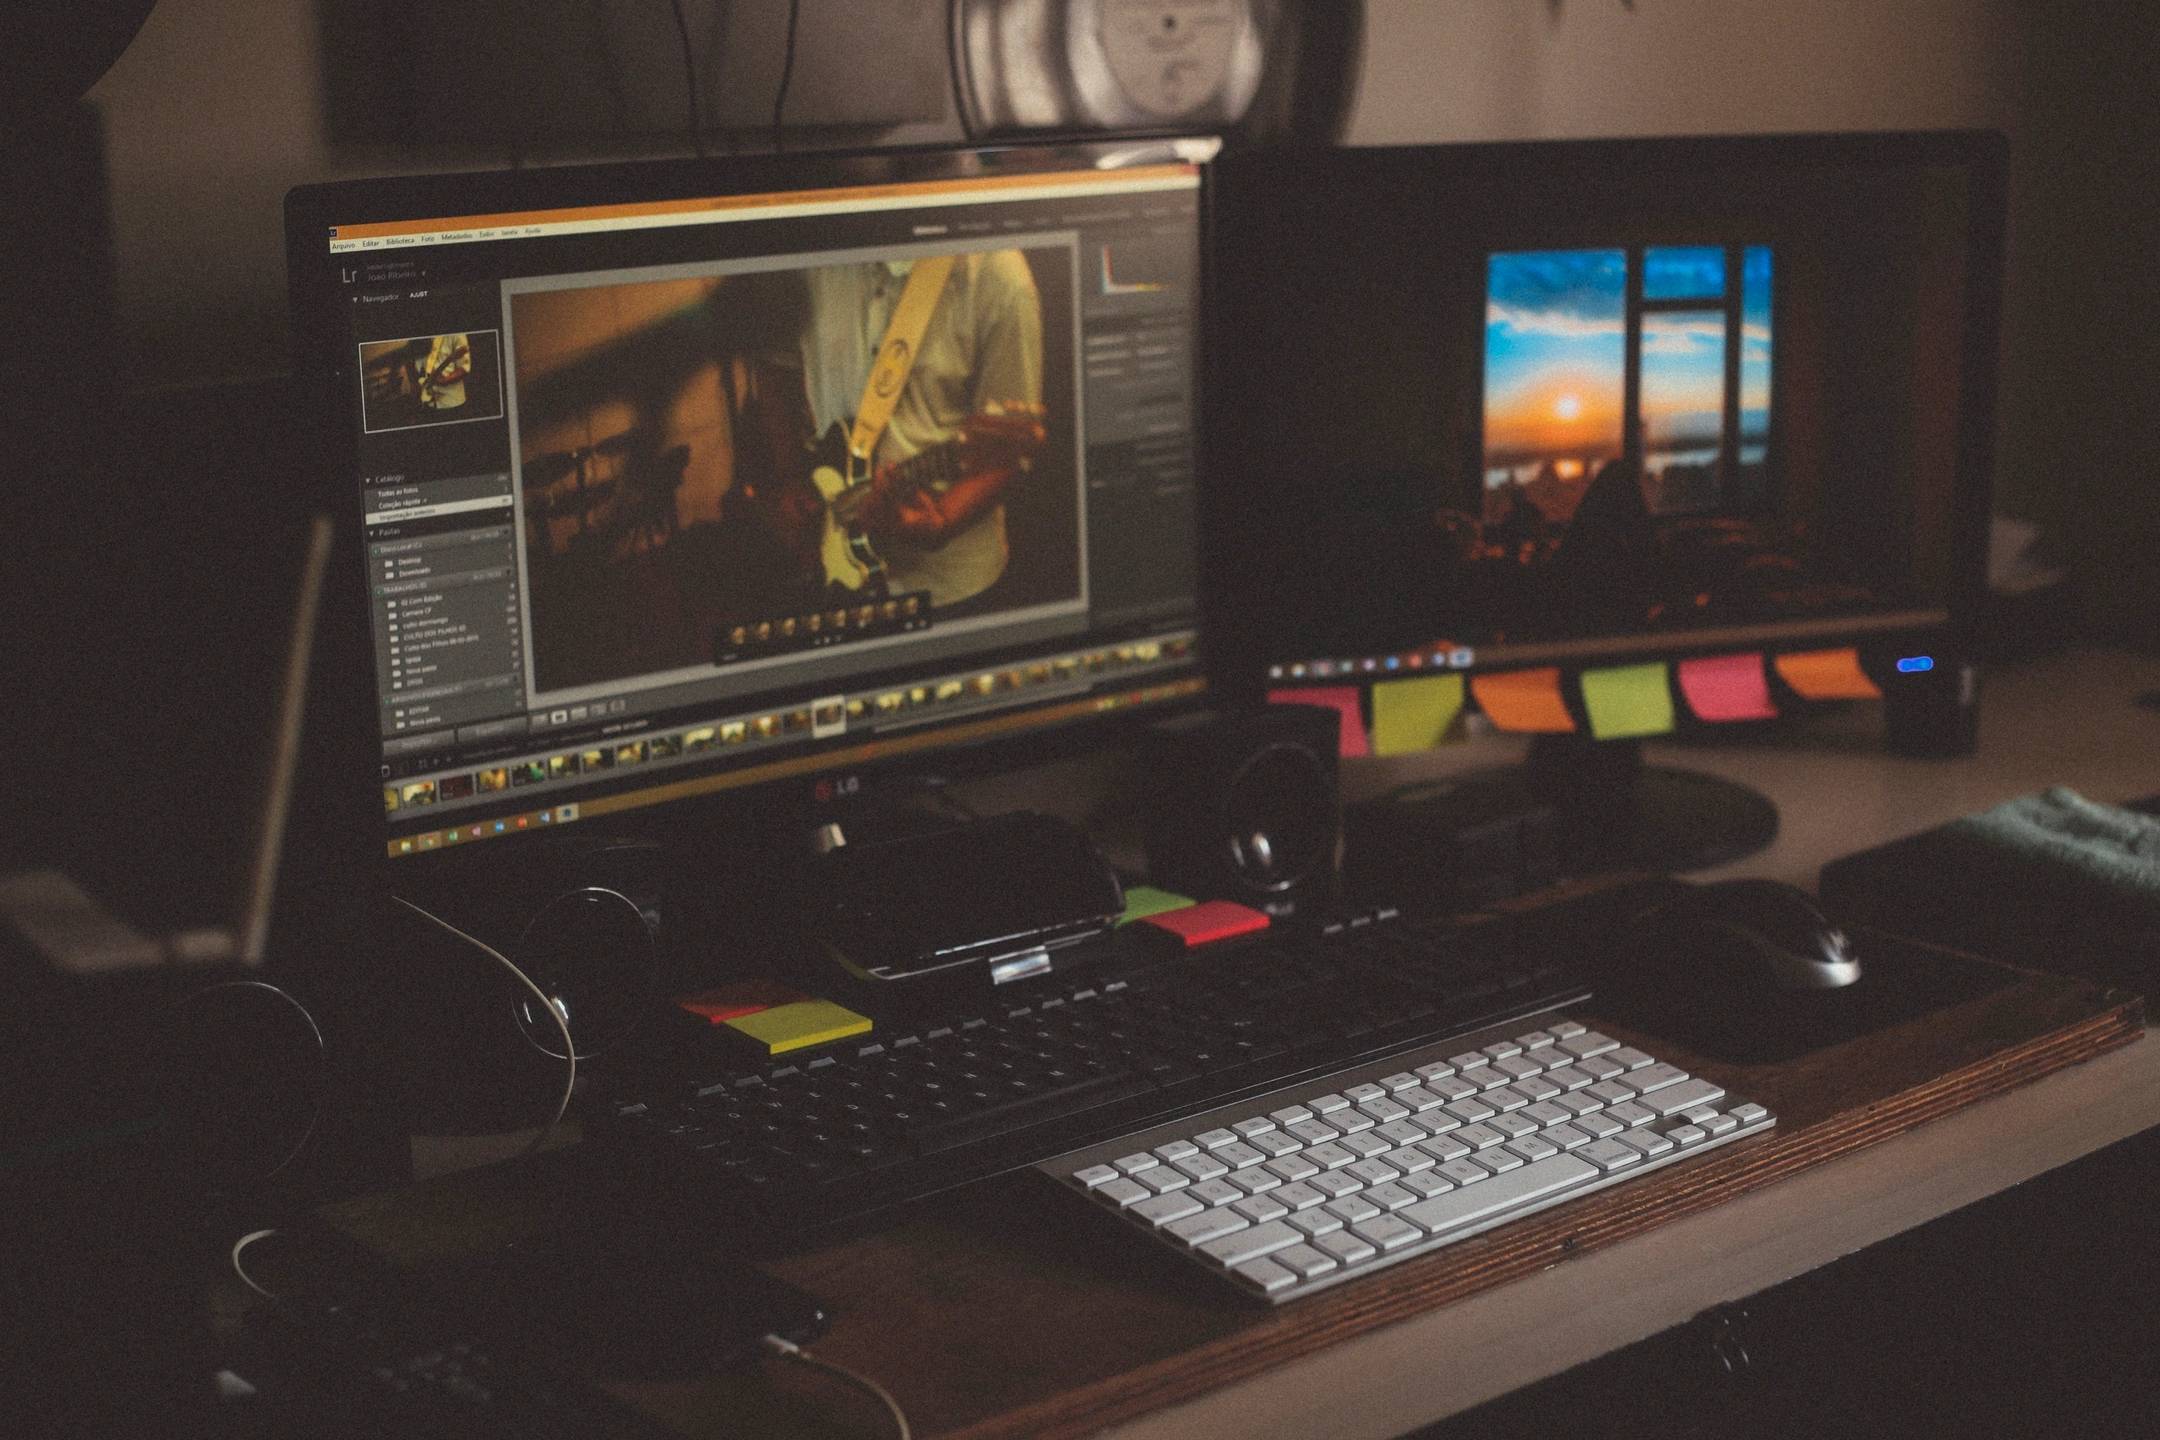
(1736, 931)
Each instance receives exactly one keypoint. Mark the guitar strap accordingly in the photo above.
(896, 352)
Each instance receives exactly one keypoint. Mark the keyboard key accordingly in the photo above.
(1686, 1135)
(1395, 1084)
(1176, 1150)
(1598, 1126)
(1122, 1193)
(1298, 1196)
(1629, 1058)
(1207, 1225)
(1649, 1142)
(1484, 1077)
(1289, 1115)
(1565, 1029)
(1499, 1159)
(1315, 1222)
(1579, 1104)
(1515, 1067)
(1384, 1110)
(1684, 1096)
(1200, 1167)
(1352, 1208)
(1451, 1087)
(1465, 1172)
(1427, 1184)
(1632, 1113)
(1608, 1155)
(1336, 1183)
(1258, 1125)
(1654, 1077)
(1254, 1179)
(1437, 1070)
(1095, 1175)
(1314, 1132)
(1747, 1112)
(1132, 1164)
(1372, 1172)
(1214, 1139)
(1265, 1276)
(1387, 1232)
(1536, 1040)
(1469, 1059)
(1409, 1160)
(1479, 1137)
(1567, 1136)
(1231, 1251)
(1395, 1132)
(1305, 1261)
(1237, 1155)
(1718, 1124)
(1292, 1167)
(1351, 1121)
(1347, 1248)
(1391, 1196)
(1460, 1208)
(1444, 1148)
(1533, 1147)
(1330, 1156)
(1546, 1113)
(1162, 1209)
(1601, 1067)
(1214, 1192)
(1417, 1097)
(1537, 1087)
(1276, 1142)
(1363, 1146)
(1506, 1098)
(1359, 1094)
(1163, 1179)
(1469, 1111)
(1610, 1092)
(1568, 1077)
(1501, 1050)
(1589, 1043)
(1327, 1104)
(1513, 1126)
(1258, 1208)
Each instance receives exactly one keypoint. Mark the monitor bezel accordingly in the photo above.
(341, 753)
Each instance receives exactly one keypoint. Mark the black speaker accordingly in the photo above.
(1244, 806)
(1935, 713)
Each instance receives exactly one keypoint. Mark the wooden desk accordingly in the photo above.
(2063, 720)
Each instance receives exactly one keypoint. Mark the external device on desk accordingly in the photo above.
(1628, 435)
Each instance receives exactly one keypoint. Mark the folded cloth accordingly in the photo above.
(2051, 880)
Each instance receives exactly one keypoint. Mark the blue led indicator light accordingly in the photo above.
(1916, 664)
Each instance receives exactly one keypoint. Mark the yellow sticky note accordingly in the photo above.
(1412, 715)
(1142, 901)
(1524, 700)
(806, 1022)
(1627, 700)
(1827, 675)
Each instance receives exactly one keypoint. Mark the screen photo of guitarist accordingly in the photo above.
(726, 466)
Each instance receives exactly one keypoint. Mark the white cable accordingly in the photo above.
(789, 1350)
(241, 1244)
(569, 1046)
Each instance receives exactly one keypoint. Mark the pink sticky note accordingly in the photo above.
(1727, 687)
(1340, 698)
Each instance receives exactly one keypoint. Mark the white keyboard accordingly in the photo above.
(1315, 1184)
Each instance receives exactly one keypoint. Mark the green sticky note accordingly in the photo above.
(1412, 715)
(1142, 901)
(1627, 700)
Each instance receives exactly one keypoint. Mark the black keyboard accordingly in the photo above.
(1142, 1035)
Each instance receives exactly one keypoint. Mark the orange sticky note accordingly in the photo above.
(1827, 675)
(1342, 699)
(1726, 687)
(1524, 700)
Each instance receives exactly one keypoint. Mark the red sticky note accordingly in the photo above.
(1524, 700)
(1727, 687)
(1340, 698)
(1827, 675)
(1209, 921)
(744, 997)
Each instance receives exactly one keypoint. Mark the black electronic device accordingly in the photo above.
(1244, 806)
(1759, 934)
(601, 573)
(982, 903)
(1641, 425)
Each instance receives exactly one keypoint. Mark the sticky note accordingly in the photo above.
(1142, 901)
(799, 1023)
(1210, 921)
(1827, 675)
(1341, 698)
(744, 997)
(1727, 687)
(1412, 715)
(1627, 700)
(1524, 700)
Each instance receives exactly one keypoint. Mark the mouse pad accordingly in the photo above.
(1749, 1025)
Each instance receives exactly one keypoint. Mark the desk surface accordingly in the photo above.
(2061, 720)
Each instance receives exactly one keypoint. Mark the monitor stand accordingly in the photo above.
(1574, 806)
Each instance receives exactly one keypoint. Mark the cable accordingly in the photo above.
(569, 1046)
(787, 74)
(956, 65)
(690, 81)
(789, 1350)
(241, 1244)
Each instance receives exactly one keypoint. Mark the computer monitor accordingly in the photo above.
(678, 483)
(1566, 410)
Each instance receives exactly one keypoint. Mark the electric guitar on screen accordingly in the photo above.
(999, 435)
